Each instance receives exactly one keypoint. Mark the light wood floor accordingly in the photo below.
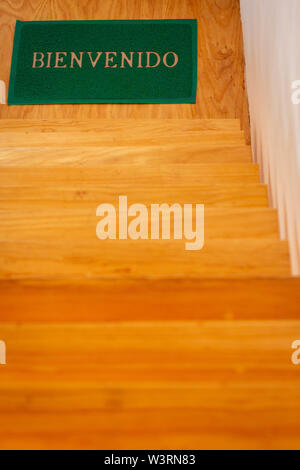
(221, 91)
(142, 345)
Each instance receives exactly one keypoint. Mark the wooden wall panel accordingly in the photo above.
(221, 92)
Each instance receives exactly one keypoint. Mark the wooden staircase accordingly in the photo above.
(123, 344)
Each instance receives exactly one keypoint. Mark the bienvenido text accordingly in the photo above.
(108, 59)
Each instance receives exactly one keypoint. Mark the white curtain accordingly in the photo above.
(271, 30)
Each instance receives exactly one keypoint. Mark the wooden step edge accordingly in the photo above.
(78, 224)
(181, 123)
(119, 300)
(88, 175)
(99, 155)
(214, 195)
(119, 138)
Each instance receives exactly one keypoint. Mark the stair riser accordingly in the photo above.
(140, 300)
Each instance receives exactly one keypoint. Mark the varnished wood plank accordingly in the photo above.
(221, 91)
(150, 259)
(78, 225)
(168, 351)
(171, 338)
(118, 138)
(143, 155)
(239, 388)
(215, 195)
(217, 384)
(84, 178)
(163, 393)
(270, 434)
(156, 127)
(149, 300)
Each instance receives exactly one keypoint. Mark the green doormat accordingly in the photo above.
(129, 61)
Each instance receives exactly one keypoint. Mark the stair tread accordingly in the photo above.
(137, 379)
(175, 345)
(139, 300)
(143, 154)
(78, 224)
(224, 195)
(195, 428)
(23, 138)
(240, 258)
(132, 174)
(131, 125)
(156, 334)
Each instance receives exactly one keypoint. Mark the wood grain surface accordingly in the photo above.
(29, 197)
(117, 300)
(77, 224)
(202, 138)
(146, 372)
(142, 345)
(148, 259)
(133, 154)
(221, 90)
(176, 385)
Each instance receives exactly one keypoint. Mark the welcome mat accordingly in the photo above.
(126, 61)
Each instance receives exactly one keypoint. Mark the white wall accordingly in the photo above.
(271, 31)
